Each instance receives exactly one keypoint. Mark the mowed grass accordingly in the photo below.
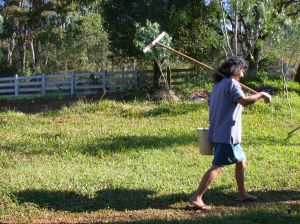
(138, 162)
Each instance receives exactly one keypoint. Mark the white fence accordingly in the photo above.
(79, 84)
(93, 83)
(68, 84)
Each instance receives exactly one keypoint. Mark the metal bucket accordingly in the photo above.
(205, 147)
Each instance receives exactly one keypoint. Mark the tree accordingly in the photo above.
(145, 35)
(84, 45)
(284, 45)
(194, 27)
(31, 28)
(190, 23)
(297, 76)
(120, 19)
(257, 20)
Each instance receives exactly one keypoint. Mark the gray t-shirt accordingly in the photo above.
(225, 114)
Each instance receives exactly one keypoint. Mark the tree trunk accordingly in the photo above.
(236, 29)
(254, 61)
(22, 52)
(10, 49)
(38, 50)
(297, 76)
(9, 52)
(33, 59)
(224, 30)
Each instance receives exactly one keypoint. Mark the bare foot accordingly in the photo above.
(246, 197)
(203, 207)
(199, 205)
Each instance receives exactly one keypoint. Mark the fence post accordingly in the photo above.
(135, 79)
(104, 74)
(43, 84)
(72, 83)
(156, 75)
(16, 85)
(169, 74)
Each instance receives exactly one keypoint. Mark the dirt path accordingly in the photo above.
(168, 216)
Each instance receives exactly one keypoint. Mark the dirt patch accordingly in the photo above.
(147, 215)
(164, 94)
(203, 93)
(114, 217)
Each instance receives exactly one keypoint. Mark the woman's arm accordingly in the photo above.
(248, 100)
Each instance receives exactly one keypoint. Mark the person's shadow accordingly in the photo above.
(121, 199)
(117, 199)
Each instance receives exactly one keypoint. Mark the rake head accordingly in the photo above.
(153, 43)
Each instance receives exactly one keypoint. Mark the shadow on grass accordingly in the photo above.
(37, 105)
(52, 107)
(127, 199)
(102, 146)
(127, 143)
(174, 109)
(252, 216)
(54, 104)
(117, 199)
(271, 140)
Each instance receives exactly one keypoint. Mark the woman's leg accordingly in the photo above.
(239, 176)
(207, 179)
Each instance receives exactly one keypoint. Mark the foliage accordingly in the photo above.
(194, 26)
(80, 35)
(284, 45)
(33, 31)
(258, 22)
(84, 44)
(121, 18)
(144, 35)
(190, 23)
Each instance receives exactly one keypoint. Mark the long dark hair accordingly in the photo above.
(229, 67)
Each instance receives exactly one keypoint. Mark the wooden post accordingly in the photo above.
(43, 84)
(135, 79)
(123, 74)
(156, 74)
(134, 64)
(72, 84)
(169, 77)
(16, 85)
(104, 74)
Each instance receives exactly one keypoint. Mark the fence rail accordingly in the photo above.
(76, 84)
(95, 82)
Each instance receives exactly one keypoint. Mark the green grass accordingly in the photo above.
(138, 162)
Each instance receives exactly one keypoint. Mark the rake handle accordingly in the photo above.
(204, 65)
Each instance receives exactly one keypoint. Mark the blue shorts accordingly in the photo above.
(227, 154)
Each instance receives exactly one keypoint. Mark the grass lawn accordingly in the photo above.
(138, 162)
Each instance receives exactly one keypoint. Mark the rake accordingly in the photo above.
(160, 36)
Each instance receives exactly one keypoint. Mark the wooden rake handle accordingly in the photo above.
(203, 65)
